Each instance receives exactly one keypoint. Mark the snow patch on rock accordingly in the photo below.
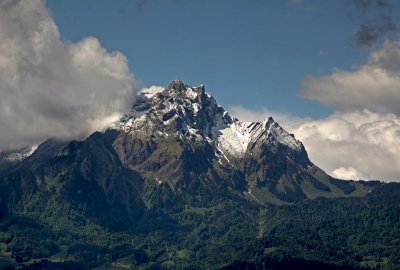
(23, 154)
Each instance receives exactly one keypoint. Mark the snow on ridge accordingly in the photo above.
(234, 138)
(153, 113)
(283, 136)
(190, 93)
(19, 156)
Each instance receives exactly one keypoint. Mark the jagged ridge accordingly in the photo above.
(191, 113)
(260, 156)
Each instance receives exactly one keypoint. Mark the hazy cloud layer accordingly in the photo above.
(377, 22)
(353, 145)
(373, 86)
(50, 88)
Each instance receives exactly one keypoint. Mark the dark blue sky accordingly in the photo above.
(248, 53)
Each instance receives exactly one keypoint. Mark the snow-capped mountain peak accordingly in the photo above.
(192, 114)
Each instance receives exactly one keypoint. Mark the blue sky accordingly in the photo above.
(248, 53)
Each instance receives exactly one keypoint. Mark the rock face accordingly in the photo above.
(182, 137)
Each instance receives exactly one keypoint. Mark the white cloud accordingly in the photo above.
(154, 89)
(374, 86)
(356, 145)
(348, 173)
(352, 145)
(50, 88)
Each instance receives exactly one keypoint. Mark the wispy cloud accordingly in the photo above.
(376, 22)
(322, 52)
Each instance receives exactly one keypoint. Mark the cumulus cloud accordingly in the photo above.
(347, 173)
(348, 145)
(374, 86)
(52, 88)
(356, 145)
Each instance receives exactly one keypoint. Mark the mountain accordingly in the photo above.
(178, 183)
(182, 137)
